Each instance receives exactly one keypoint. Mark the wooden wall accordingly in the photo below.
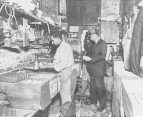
(109, 32)
(93, 12)
(85, 12)
(110, 7)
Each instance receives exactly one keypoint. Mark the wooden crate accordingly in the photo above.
(32, 93)
(116, 104)
(133, 97)
(127, 87)
(120, 75)
(108, 84)
(127, 104)
(117, 86)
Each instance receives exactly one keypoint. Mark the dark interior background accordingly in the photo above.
(83, 12)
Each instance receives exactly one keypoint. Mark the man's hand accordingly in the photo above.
(46, 65)
(86, 58)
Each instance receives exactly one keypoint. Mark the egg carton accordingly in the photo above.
(2, 97)
(10, 66)
(13, 76)
(7, 111)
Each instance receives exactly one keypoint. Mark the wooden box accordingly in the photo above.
(132, 97)
(117, 86)
(127, 104)
(32, 93)
(116, 105)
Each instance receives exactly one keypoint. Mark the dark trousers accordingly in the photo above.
(97, 90)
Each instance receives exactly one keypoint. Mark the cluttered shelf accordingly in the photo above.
(21, 12)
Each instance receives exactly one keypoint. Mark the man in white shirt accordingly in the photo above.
(64, 55)
(63, 60)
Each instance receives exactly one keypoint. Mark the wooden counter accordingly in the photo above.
(35, 92)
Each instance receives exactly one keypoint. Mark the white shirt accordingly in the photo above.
(97, 40)
(63, 57)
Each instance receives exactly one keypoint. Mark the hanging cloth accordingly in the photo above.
(136, 42)
(126, 43)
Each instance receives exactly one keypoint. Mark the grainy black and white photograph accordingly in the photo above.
(71, 58)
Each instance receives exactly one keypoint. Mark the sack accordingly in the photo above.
(126, 53)
(126, 42)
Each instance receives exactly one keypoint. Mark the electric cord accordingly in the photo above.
(10, 13)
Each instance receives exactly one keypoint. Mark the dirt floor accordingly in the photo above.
(83, 110)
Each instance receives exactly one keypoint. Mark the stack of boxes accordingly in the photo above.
(5, 109)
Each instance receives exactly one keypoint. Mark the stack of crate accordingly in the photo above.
(108, 86)
(5, 110)
(13, 76)
(132, 96)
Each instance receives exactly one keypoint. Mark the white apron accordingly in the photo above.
(65, 85)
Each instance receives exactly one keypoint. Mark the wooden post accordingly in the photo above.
(25, 38)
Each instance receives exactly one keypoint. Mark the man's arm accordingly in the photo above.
(102, 54)
(61, 60)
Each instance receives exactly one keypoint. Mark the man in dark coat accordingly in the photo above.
(97, 66)
(88, 45)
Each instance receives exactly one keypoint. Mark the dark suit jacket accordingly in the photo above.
(97, 63)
